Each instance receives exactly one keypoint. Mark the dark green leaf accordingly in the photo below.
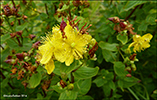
(122, 38)
(85, 85)
(68, 95)
(21, 27)
(85, 72)
(100, 81)
(119, 69)
(108, 46)
(132, 4)
(35, 80)
(109, 56)
(143, 26)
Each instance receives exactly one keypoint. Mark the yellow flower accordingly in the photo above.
(75, 44)
(140, 43)
(62, 47)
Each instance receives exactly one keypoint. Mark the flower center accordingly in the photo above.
(73, 44)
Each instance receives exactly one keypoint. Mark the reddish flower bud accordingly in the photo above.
(132, 57)
(7, 10)
(20, 56)
(9, 57)
(19, 33)
(31, 36)
(33, 68)
(63, 84)
(36, 44)
(12, 35)
(62, 25)
(24, 17)
(10, 61)
(24, 84)
(128, 75)
(123, 24)
(12, 23)
(114, 19)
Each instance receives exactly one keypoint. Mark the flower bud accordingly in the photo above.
(131, 62)
(70, 86)
(63, 84)
(62, 25)
(127, 51)
(126, 60)
(31, 36)
(19, 33)
(10, 61)
(133, 66)
(20, 56)
(114, 19)
(36, 44)
(76, 3)
(12, 23)
(128, 75)
(12, 35)
(123, 24)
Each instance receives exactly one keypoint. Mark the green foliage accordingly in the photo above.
(116, 74)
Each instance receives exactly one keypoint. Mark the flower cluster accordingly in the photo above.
(140, 43)
(65, 44)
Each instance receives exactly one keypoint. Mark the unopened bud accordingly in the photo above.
(126, 60)
(63, 84)
(63, 25)
(10, 61)
(70, 86)
(123, 24)
(12, 35)
(132, 62)
(31, 36)
(133, 66)
(12, 23)
(24, 17)
(19, 33)
(20, 56)
(128, 75)
(36, 44)
(114, 19)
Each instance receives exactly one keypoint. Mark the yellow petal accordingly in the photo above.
(69, 59)
(136, 38)
(147, 37)
(50, 66)
(60, 55)
(46, 51)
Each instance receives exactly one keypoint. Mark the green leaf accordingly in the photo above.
(122, 38)
(119, 69)
(143, 26)
(109, 56)
(67, 69)
(63, 8)
(131, 4)
(68, 95)
(151, 19)
(85, 72)
(108, 46)
(127, 82)
(84, 86)
(58, 89)
(35, 80)
(21, 27)
(99, 81)
(57, 68)
(112, 85)
(4, 38)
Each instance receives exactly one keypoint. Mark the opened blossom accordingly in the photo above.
(140, 43)
(64, 44)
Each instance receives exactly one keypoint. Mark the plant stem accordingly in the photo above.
(131, 13)
(120, 52)
(132, 92)
(46, 10)
(9, 23)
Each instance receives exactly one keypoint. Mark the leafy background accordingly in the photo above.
(92, 82)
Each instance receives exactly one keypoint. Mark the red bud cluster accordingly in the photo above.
(121, 25)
